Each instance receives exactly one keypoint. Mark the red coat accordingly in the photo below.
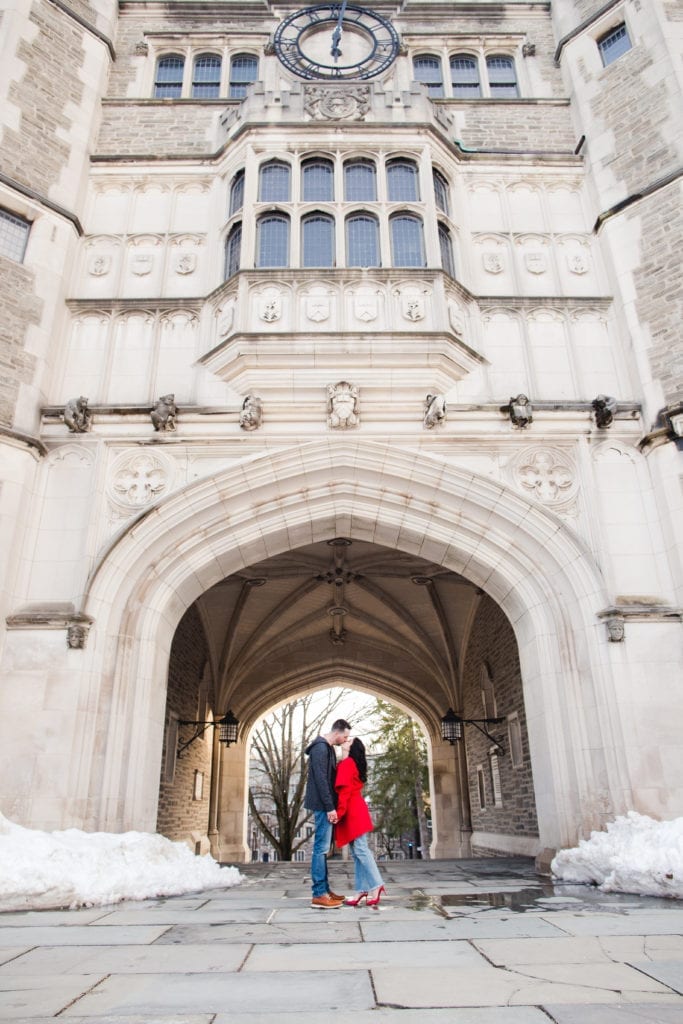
(354, 816)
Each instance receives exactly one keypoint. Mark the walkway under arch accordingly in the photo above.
(527, 560)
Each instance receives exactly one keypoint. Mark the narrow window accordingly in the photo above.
(274, 182)
(481, 787)
(465, 77)
(488, 692)
(317, 232)
(206, 76)
(515, 740)
(170, 754)
(168, 82)
(407, 244)
(273, 241)
(441, 192)
(402, 181)
(502, 77)
(236, 193)
(427, 69)
(360, 181)
(317, 181)
(233, 249)
(13, 236)
(614, 43)
(446, 250)
(362, 241)
(495, 780)
(243, 70)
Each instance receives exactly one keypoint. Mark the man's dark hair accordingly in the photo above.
(340, 725)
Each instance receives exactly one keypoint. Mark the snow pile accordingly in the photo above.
(636, 854)
(41, 870)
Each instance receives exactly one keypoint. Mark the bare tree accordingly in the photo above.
(278, 767)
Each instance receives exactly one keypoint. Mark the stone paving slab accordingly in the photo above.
(387, 1015)
(239, 993)
(669, 972)
(642, 1013)
(362, 955)
(670, 923)
(61, 918)
(331, 929)
(34, 995)
(617, 977)
(10, 952)
(579, 950)
(303, 915)
(160, 959)
(80, 936)
(169, 916)
(489, 987)
(520, 926)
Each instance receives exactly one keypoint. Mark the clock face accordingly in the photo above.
(336, 42)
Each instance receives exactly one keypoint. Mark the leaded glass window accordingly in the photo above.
(13, 236)
(446, 250)
(407, 243)
(614, 43)
(360, 181)
(233, 247)
(273, 241)
(427, 69)
(317, 180)
(465, 77)
(274, 182)
(206, 76)
(243, 70)
(362, 240)
(317, 236)
(502, 77)
(402, 181)
(168, 82)
(441, 192)
(236, 193)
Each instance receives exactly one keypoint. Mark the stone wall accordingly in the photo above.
(180, 814)
(520, 127)
(21, 307)
(492, 647)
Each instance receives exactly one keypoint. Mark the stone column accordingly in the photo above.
(230, 843)
(451, 831)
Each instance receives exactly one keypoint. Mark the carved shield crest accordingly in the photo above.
(99, 265)
(413, 306)
(365, 306)
(493, 262)
(186, 263)
(317, 308)
(535, 262)
(577, 262)
(142, 264)
(270, 308)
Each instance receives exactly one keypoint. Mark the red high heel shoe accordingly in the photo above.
(375, 902)
(354, 903)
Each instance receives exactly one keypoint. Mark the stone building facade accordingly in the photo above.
(407, 319)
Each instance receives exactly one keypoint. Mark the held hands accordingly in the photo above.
(332, 817)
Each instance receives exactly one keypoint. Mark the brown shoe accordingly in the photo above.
(325, 902)
(335, 896)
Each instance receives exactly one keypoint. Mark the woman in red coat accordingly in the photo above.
(354, 823)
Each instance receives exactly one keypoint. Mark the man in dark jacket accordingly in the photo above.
(321, 799)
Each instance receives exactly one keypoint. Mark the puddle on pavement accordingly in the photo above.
(546, 898)
(514, 899)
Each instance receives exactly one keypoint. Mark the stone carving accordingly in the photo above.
(457, 319)
(413, 307)
(342, 405)
(337, 103)
(493, 262)
(535, 262)
(317, 307)
(604, 408)
(529, 50)
(77, 415)
(520, 411)
(141, 264)
(578, 262)
(546, 474)
(365, 305)
(226, 316)
(99, 265)
(76, 636)
(270, 308)
(251, 413)
(615, 629)
(186, 263)
(141, 478)
(164, 413)
(435, 410)
(141, 49)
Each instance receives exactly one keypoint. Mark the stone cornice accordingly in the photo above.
(38, 197)
(88, 26)
(23, 439)
(584, 25)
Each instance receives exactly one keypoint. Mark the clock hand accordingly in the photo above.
(337, 34)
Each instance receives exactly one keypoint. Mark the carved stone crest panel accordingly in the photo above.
(493, 262)
(138, 478)
(270, 306)
(141, 264)
(185, 263)
(536, 262)
(99, 265)
(337, 103)
(342, 405)
(546, 474)
(366, 304)
(318, 305)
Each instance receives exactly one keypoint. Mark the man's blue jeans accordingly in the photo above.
(321, 845)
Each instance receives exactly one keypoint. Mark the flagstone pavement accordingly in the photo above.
(468, 942)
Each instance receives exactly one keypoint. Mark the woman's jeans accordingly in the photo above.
(366, 875)
(321, 846)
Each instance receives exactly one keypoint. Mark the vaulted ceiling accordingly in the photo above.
(339, 612)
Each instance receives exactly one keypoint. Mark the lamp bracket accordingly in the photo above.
(199, 732)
